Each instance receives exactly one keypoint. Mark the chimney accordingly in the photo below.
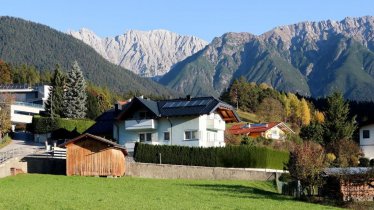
(188, 97)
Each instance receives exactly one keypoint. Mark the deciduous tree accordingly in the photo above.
(306, 163)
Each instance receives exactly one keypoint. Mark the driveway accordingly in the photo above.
(23, 142)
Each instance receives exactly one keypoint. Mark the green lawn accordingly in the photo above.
(247, 117)
(60, 192)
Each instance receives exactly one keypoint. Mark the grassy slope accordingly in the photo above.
(247, 117)
(61, 192)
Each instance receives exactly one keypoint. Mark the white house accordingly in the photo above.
(367, 140)
(196, 122)
(27, 101)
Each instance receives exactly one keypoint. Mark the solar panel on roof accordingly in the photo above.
(258, 125)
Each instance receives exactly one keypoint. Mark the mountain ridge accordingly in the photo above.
(311, 58)
(147, 53)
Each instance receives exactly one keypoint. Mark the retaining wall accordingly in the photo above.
(15, 162)
(165, 171)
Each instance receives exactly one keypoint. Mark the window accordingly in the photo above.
(366, 134)
(141, 137)
(190, 135)
(145, 137)
(166, 136)
(149, 137)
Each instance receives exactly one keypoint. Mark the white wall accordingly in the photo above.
(206, 137)
(367, 144)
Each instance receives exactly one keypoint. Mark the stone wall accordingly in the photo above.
(165, 171)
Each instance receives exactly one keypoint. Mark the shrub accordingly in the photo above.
(230, 156)
(47, 124)
(372, 162)
(364, 162)
(5, 141)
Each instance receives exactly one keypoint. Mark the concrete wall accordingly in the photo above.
(12, 163)
(165, 171)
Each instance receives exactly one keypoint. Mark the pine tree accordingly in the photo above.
(337, 124)
(75, 97)
(54, 104)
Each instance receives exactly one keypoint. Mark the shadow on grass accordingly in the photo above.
(242, 191)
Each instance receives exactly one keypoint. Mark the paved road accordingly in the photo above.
(22, 142)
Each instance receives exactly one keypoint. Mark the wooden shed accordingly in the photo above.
(89, 155)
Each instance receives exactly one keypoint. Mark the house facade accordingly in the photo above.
(367, 140)
(197, 122)
(271, 130)
(26, 101)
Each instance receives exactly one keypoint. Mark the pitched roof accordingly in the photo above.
(87, 135)
(256, 128)
(104, 123)
(185, 107)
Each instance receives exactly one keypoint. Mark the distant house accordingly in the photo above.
(89, 155)
(27, 101)
(271, 130)
(367, 140)
(189, 121)
(104, 123)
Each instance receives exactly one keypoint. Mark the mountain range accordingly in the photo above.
(310, 58)
(146, 53)
(26, 42)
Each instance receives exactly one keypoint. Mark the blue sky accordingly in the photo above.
(202, 18)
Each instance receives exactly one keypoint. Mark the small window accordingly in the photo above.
(190, 135)
(145, 137)
(149, 136)
(366, 134)
(166, 136)
(141, 137)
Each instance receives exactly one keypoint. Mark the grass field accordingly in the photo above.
(60, 192)
(247, 117)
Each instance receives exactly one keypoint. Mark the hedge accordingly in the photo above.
(47, 124)
(230, 156)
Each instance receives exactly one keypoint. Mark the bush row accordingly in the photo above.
(47, 124)
(229, 156)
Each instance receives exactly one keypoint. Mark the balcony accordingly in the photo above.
(145, 124)
(215, 124)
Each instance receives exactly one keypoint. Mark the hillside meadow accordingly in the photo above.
(33, 191)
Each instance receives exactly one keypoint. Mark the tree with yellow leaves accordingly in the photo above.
(319, 117)
(305, 112)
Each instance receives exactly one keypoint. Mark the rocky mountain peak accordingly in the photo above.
(147, 53)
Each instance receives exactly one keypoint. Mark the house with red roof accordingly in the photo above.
(271, 130)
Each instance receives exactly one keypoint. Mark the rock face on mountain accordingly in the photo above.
(146, 53)
(311, 58)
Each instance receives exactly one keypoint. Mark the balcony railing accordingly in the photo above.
(145, 124)
(215, 124)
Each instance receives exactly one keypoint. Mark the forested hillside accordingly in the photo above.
(25, 42)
